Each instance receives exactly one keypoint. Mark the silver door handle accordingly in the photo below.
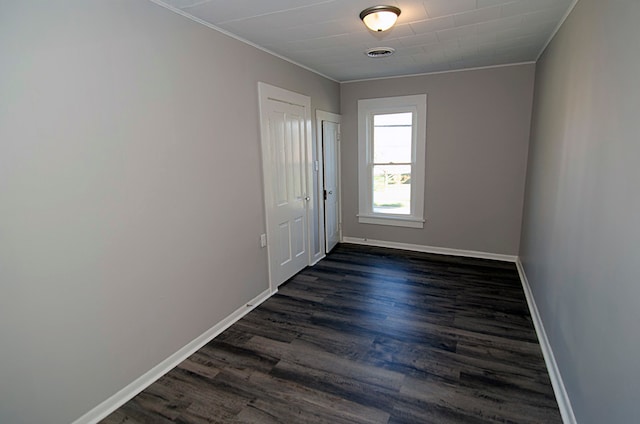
(307, 198)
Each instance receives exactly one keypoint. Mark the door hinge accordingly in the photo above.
(325, 194)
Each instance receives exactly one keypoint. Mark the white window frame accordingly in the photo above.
(367, 108)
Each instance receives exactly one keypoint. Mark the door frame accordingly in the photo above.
(268, 92)
(322, 115)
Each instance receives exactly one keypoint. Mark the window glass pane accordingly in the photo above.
(392, 144)
(392, 137)
(405, 118)
(392, 189)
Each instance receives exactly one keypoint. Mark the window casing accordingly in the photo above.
(391, 155)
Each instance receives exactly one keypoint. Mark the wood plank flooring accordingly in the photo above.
(368, 335)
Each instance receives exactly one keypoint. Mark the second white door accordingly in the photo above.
(330, 148)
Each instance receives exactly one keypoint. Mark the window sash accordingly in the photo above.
(395, 198)
(371, 163)
(367, 111)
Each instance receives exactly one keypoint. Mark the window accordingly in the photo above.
(391, 153)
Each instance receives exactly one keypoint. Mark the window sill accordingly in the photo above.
(395, 221)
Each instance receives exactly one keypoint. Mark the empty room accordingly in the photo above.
(319, 211)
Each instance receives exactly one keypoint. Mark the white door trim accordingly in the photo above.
(268, 92)
(321, 115)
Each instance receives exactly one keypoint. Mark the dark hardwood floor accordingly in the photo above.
(368, 335)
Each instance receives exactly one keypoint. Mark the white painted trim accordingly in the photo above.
(321, 115)
(477, 68)
(564, 403)
(367, 108)
(394, 221)
(556, 29)
(236, 37)
(138, 385)
(430, 249)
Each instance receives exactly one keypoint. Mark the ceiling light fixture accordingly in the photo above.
(380, 18)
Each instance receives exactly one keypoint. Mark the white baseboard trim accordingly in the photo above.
(564, 403)
(130, 391)
(430, 249)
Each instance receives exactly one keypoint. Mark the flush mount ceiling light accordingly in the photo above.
(380, 18)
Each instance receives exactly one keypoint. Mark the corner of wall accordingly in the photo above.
(564, 403)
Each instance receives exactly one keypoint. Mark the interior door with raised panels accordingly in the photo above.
(287, 217)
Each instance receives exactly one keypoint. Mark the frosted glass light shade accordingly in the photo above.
(380, 18)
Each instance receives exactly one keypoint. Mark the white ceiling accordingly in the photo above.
(430, 35)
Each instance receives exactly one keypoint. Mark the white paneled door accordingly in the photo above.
(330, 149)
(286, 163)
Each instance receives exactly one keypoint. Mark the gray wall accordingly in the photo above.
(581, 238)
(130, 193)
(477, 139)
